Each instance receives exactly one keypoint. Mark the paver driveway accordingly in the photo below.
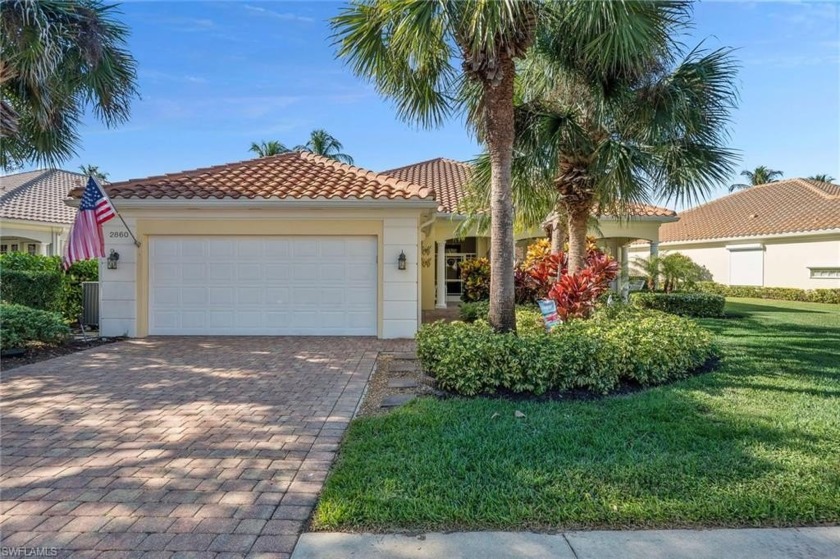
(172, 446)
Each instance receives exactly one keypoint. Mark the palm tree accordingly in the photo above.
(59, 58)
(93, 171)
(322, 143)
(651, 268)
(599, 136)
(823, 177)
(760, 175)
(408, 49)
(266, 149)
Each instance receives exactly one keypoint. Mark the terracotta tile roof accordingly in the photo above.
(290, 175)
(449, 179)
(793, 205)
(38, 195)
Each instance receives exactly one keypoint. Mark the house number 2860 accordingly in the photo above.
(118, 234)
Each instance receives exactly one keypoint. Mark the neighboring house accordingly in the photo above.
(33, 215)
(294, 244)
(781, 234)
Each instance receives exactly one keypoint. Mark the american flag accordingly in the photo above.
(86, 239)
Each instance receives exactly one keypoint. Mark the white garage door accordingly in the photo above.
(262, 286)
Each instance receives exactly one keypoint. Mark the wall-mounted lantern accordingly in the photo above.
(401, 260)
(113, 258)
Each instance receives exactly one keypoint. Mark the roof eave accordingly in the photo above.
(301, 203)
(789, 234)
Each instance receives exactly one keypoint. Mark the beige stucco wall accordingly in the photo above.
(124, 291)
(786, 259)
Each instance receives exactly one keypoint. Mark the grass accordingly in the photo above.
(755, 443)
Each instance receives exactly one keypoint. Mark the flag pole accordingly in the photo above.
(119, 215)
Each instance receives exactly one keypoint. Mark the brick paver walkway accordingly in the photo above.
(176, 447)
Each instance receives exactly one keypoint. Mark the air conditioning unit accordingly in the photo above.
(90, 303)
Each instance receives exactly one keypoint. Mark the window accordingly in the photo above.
(825, 272)
(746, 264)
(15, 248)
(4, 249)
(32, 248)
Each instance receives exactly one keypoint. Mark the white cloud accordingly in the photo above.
(286, 16)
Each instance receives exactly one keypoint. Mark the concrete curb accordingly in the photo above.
(747, 543)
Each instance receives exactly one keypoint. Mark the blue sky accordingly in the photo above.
(216, 76)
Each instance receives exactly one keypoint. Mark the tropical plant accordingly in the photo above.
(57, 59)
(322, 143)
(606, 120)
(680, 272)
(409, 50)
(760, 175)
(475, 274)
(577, 293)
(650, 268)
(93, 171)
(822, 177)
(268, 148)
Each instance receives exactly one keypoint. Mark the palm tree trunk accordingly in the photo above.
(559, 230)
(578, 219)
(499, 139)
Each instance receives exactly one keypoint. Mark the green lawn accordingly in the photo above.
(756, 443)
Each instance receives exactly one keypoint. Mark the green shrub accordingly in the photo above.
(683, 304)
(528, 317)
(831, 296)
(71, 291)
(36, 291)
(622, 344)
(470, 312)
(22, 324)
(476, 276)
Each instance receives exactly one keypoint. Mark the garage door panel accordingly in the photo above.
(194, 296)
(263, 286)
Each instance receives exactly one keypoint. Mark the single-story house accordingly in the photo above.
(33, 215)
(296, 244)
(781, 234)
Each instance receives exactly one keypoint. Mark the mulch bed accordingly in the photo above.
(36, 352)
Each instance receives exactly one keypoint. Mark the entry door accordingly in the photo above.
(263, 286)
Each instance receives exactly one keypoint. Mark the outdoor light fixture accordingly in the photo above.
(401, 261)
(113, 258)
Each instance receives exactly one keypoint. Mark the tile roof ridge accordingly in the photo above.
(15, 192)
(204, 169)
(382, 178)
(417, 164)
(810, 185)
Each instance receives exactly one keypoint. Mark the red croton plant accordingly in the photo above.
(574, 294)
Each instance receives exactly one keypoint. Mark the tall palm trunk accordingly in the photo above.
(499, 122)
(576, 196)
(559, 229)
(578, 219)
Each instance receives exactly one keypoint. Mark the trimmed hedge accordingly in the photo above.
(831, 296)
(645, 346)
(35, 289)
(701, 305)
(22, 324)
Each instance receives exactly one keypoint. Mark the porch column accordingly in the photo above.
(624, 275)
(654, 253)
(440, 290)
